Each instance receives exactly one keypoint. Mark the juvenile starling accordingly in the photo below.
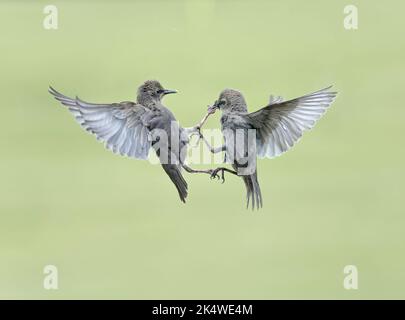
(132, 128)
(275, 129)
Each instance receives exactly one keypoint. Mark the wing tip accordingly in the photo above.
(56, 93)
(64, 100)
(327, 89)
(52, 91)
(331, 92)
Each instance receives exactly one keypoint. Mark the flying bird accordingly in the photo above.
(268, 132)
(133, 128)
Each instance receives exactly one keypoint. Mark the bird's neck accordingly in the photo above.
(239, 107)
(148, 101)
(235, 109)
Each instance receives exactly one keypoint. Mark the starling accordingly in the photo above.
(132, 128)
(268, 132)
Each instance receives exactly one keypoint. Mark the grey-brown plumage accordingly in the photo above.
(126, 128)
(276, 128)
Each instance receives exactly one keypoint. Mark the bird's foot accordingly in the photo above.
(215, 174)
(196, 131)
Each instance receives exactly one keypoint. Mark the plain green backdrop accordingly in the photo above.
(115, 228)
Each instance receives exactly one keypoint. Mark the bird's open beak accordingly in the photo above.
(165, 92)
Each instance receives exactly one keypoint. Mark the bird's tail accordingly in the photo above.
(253, 191)
(173, 171)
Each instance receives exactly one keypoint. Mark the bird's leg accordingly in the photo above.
(201, 123)
(194, 131)
(191, 170)
(197, 128)
(211, 148)
(222, 169)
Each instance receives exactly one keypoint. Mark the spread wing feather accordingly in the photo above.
(280, 125)
(121, 126)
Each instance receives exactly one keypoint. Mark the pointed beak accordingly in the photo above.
(165, 92)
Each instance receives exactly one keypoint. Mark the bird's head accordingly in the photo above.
(229, 100)
(152, 91)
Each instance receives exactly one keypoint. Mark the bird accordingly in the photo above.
(133, 128)
(265, 133)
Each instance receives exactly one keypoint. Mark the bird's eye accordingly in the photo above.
(160, 91)
(222, 102)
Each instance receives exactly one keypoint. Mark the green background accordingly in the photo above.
(115, 228)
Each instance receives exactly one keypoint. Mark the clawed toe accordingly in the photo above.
(214, 174)
(199, 137)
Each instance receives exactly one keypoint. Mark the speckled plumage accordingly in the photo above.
(277, 127)
(126, 127)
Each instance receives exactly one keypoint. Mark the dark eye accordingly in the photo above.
(159, 91)
(222, 102)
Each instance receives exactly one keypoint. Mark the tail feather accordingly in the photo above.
(253, 191)
(246, 180)
(175, 175)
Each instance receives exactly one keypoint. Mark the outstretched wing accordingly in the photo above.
(121, 126)
(280, 124)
